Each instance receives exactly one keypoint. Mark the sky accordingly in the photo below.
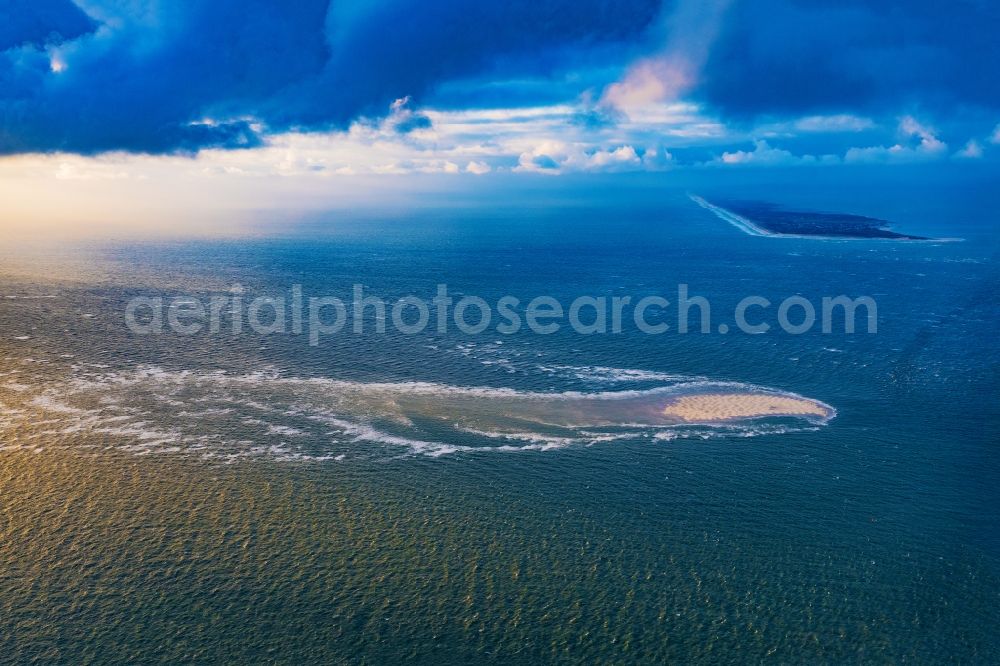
(170, 105)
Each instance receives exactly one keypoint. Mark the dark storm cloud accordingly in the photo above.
(38, 22)
(139, 81)
(181, 75)
(799, 56)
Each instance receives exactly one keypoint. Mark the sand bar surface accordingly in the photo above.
(712, 407)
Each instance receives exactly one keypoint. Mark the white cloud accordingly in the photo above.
(478, 168)
(553, 157)
(75, 167)
(650, 82)
(817, 125)
(972, 150)
(390, 168)
(544, 157)
(57, 64)
(762, 153)
(876, 154)
(995, 137)
(624, 156)
(928, 142)
(439, 166)
(836, 123)
(404, 120)
(688, 33)
(766, 155)
(920, 143)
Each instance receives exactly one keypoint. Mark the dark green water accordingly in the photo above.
(223, 498)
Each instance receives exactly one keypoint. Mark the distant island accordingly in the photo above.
(768, 219)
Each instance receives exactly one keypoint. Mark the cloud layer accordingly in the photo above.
(638, 84)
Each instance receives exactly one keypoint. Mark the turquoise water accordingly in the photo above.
(446, 497)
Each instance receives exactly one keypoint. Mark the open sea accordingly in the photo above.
(446, 497)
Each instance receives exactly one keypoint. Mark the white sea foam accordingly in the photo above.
(608, 375)
(48, 403)
(286, 431)
(549, 441)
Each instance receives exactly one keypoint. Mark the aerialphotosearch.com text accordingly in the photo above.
(317, 317)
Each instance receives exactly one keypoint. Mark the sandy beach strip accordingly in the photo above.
(713, 407)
